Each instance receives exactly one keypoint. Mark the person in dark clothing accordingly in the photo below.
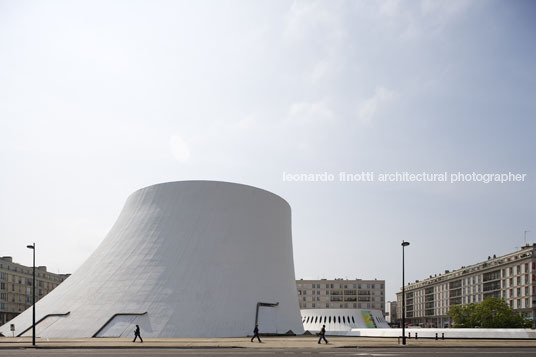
(256, 334)
(137, 334)
(322, 334)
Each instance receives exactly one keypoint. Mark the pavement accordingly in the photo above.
(286, 343)
(258, 352)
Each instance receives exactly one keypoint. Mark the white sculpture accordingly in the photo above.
(184, 259)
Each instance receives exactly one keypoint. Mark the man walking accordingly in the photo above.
(256, 333)
(137, 334)
(323, 335)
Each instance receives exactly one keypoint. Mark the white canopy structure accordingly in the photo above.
(184, 259)
(338, 321)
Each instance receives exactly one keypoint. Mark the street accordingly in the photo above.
(387, 352)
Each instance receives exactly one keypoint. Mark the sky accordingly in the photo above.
(101, 98)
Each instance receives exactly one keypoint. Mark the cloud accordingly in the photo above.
(309, 113)
(179, 148)
(369, 107)
(320, 18)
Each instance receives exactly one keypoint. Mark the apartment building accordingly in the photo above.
(391, 312)
(511, 277)
(16, 287)
(341, 294)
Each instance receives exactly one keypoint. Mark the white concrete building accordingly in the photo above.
(511, 277)
(342, 320)
(341, 294)
(184, 259)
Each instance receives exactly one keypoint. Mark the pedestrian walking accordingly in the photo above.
(137, 334)
(256, 333)
(322, 334)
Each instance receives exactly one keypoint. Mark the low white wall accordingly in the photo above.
(449, 333)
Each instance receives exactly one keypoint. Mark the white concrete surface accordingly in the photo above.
(197, 256)
(448, 333)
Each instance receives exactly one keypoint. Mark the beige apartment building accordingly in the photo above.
(341, 294)
(511, 277)
(16, 287)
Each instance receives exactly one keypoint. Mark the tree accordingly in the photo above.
(463, 316)
(490, 313)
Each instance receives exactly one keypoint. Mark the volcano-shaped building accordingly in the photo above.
(184, 259)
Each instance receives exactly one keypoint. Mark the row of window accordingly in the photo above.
(505, 272)
(342, 298)
(342, 286)
(3, 275)
(341, 306)
(339, 292)
(517, 269)
(327, 319)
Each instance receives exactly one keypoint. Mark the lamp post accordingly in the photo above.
(32, 247)
(404, 244)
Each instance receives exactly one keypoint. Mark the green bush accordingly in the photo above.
(490, 313)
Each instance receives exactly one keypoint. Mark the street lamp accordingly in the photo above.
(32, 247)
(404, 244)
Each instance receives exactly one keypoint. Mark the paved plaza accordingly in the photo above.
(269, 343)
(387, 352)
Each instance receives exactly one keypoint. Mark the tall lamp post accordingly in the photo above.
(32, 247)
(404, 245)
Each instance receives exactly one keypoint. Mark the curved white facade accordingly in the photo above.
(342, 320)
(184, 259)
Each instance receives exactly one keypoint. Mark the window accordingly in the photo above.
(343, 319)
(316, 319)
(339, 319)
(353, 320)
(519, 269)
